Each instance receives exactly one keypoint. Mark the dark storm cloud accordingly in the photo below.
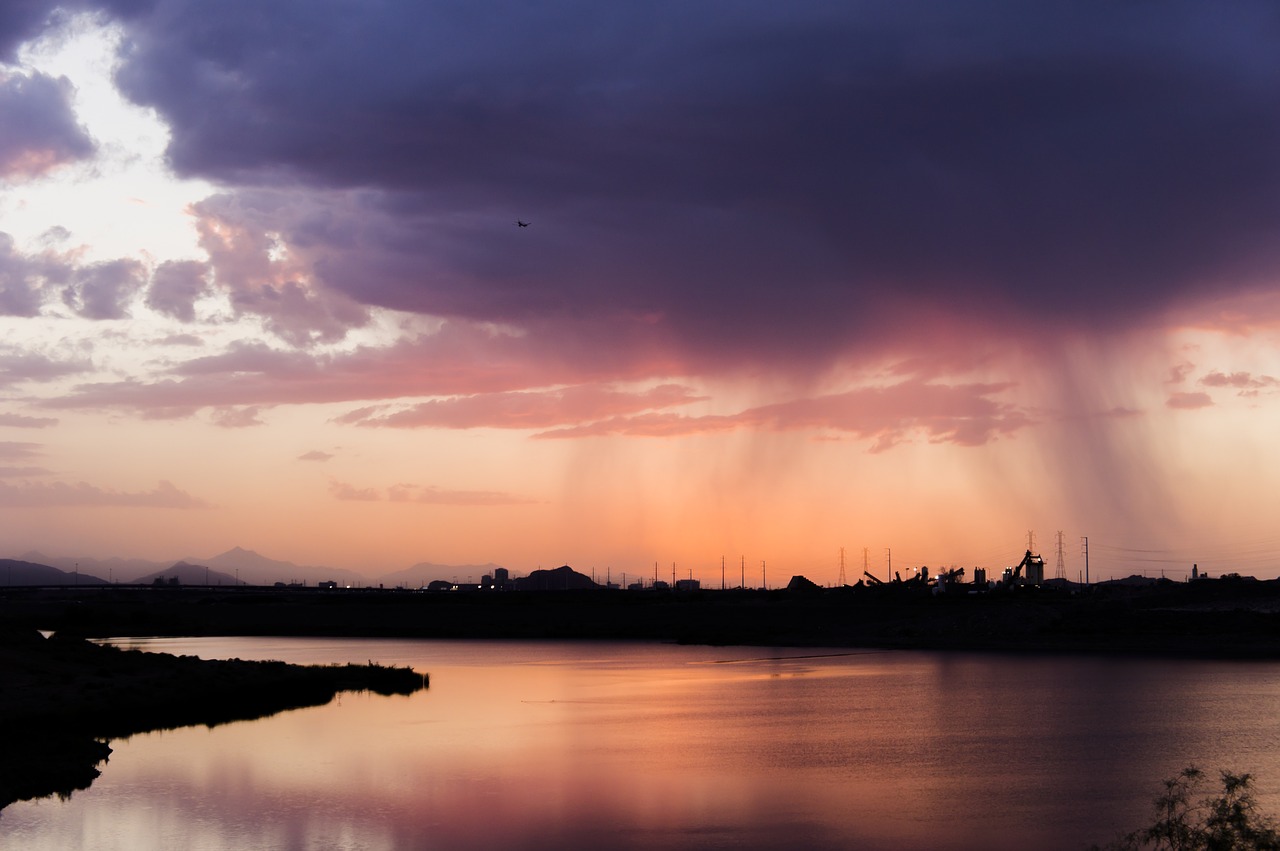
(37, 128)
(21, 20)
(761, 177)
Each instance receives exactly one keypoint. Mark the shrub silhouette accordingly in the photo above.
(1187, 820)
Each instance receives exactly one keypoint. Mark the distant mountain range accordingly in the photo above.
(235, 565)
(426, 572)
(18, 572)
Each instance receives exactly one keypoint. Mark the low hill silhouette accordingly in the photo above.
(185, 573)
(15, 572)
(425, 572)
(562, 578)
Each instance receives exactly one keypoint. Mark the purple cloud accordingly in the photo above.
(104, 290)
(176, 286)
(763, 179)
(38, 130)
(20, 283)
(18, 367)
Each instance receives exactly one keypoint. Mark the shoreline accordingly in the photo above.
(1215, 619)
(64, 698)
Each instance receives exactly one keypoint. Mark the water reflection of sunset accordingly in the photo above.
(575, 746)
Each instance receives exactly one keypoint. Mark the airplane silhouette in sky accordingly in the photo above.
(521, 224)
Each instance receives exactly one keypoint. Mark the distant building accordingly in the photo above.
(688, 584)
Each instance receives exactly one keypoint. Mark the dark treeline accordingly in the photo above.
(1223, 618)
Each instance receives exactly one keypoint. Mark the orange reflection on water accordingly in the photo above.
(646, 746)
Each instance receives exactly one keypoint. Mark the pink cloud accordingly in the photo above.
(22, 472)
(459, 360)
(524, 410)
(1238, 380)
(350, 493)
(237, 417)
(431, 495)
(57, 494)
(18, 450)
(20, 421)
(650, 425)
(1189, 401)
(264, 275)
(964, 414)
(425, 495)
(1178, 372)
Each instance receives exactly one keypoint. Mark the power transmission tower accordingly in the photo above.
(1062, 564)
(842, 579)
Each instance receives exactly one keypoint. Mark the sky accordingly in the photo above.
(924, 281)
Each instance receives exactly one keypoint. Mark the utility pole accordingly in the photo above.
(721, 573)
(742, 567)
(889, 553)
(1062, 564)
(842, 579)
(1084, 545)
(763, 580)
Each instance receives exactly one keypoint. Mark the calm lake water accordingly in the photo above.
(644, 746)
